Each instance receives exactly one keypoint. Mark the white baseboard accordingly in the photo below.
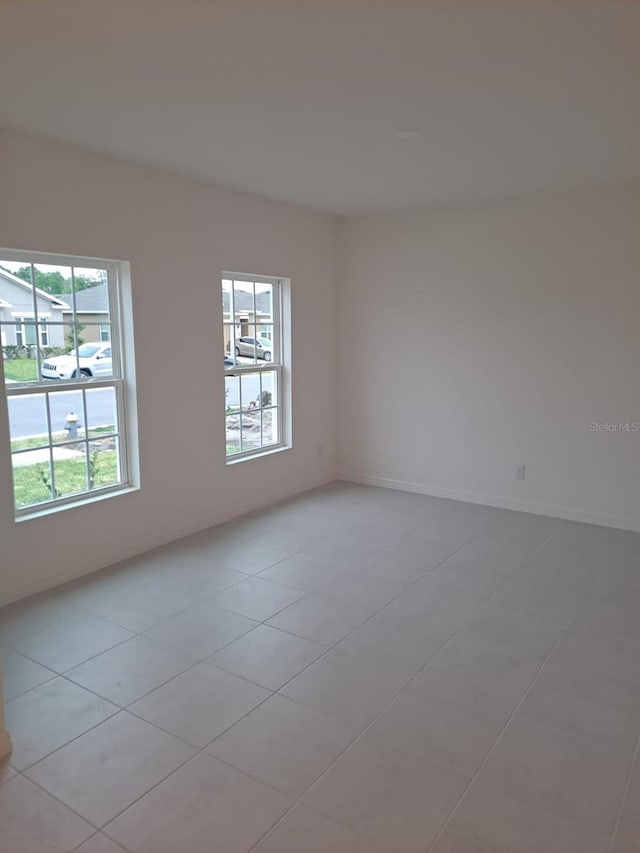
(492, 500)
(5, 744)
(168, 535)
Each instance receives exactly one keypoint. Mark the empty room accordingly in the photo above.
(320, 426)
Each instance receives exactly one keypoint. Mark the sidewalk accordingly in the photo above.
(41, 454)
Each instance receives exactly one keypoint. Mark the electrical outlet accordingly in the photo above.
(520, 470)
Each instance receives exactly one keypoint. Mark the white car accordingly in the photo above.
(92, 360)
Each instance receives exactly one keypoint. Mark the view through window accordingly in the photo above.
(253, 363)
(60, 333)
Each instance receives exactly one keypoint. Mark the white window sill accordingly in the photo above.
(259, 454)
(82, 500)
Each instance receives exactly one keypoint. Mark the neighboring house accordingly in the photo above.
(244, 316)
(19, 325)
(92, 311)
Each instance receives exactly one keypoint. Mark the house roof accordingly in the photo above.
(55, 301)
(93, 300)
(243, 301)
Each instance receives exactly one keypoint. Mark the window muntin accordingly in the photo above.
(252, 321)
(67, 432)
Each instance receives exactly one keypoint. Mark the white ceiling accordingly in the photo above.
(301, 100)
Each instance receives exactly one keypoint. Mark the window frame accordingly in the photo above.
(23, 323)
(279, 365)
(122, 381)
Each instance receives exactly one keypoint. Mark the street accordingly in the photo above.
(250, 387)
(27, 415)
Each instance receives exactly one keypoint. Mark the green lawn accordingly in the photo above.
(70, 475)
(21, 369)
(56, 438)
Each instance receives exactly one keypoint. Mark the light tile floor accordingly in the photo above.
(355, 670)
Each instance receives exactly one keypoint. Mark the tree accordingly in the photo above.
(70, 341)
(54, 282)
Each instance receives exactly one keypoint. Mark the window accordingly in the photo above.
(104, 332)
(25, 332)
(255, 375)
(68, 425)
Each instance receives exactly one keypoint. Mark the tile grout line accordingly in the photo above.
(511, 718)
(97, 835)
(198, 750)
(125, 709)
(121, 708)
(65, 675)
(625, 791)
(79, 610)
(272, 692)
(141, 633)
(299, 800)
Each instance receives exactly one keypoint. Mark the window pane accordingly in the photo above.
(270, 433)
(232, 423)
(269, 393)
(96, 357)
(243, 297)
(102, 412)
(19, 366)
(70, 469)
(250, 388)
(28, 421)
(228, 319)
(73, 335)
(232, 407)
(264, 302)
(31, 477)
(92, 292)
(269, 398)
(244, 321)
(232, 394)
(255, 351)
(67, 416)
(91, 358)
(265, 331)
(251, 435)
(251, 411)
(30, 333)
(51, 279)
(104, 469)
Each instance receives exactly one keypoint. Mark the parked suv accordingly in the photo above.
(260, 347)
(92, 359)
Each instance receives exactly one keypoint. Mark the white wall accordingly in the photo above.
(471, 340)
(178, 235)
(478, 338)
